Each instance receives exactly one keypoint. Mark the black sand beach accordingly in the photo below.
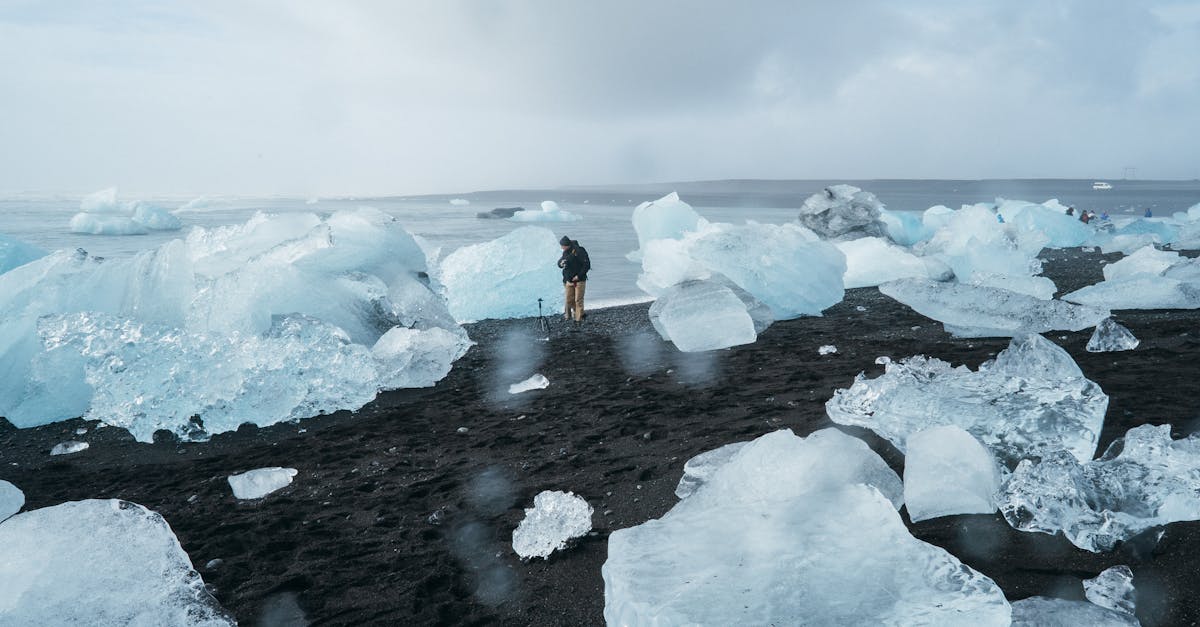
(396, 517)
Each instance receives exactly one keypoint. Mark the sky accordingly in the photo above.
(372, 98)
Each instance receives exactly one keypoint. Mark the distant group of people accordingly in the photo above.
(1086, 216)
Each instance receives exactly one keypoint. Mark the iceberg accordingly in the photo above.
(12, 499)
(155, 218)
(979, 311)
(1110, 336)
(790, 530)
(874, 260)
(1143, 480)
(102, 214)
(947, 471)
(1031, 399)
(665, 218)
(460, 202)
(257, 483)
(14, 252)
(843, 212)
(550, 212)
(106, 563)
(555, 519)
(503, 278)
(708, 315)
(99, 224)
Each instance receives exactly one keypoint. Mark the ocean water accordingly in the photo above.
(605, 230)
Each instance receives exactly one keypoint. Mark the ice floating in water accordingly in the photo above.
(1113, 589)
(104, 563)
(1110, 336)
(947, 471)
(12, 499)
(873, 260)
(843, 212)
(697, 470)
(504, 278)
(67, 448)
(1143, 480)
(665, 218)
(784, 531)
(94, 224)
(102, 214)
(827, 349)
(257, 483)
(555, 519)
(14, 252)
(459, 202)
(1032, 399)
(550, 212)
(708, 315)
(536, 382)
(1051, 612)
(976, 311)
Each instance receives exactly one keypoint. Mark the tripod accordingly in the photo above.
(543, 324)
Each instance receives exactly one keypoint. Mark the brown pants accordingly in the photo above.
(575, 300)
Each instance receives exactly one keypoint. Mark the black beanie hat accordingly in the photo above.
(565, 241)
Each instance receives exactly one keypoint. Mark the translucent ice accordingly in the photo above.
(257, 483)
(555, 519)
(1031, 399)
(785, 532)
(1110, 336)
(947, 471)
(1139, 291)
(1113, 589)
(665, 218)
(1051, 612)
(102, 214)
(536, 382)
(504, 278)
(155, 218)
(708, 315)
(550, 212)
(104, 563)
(12, 499)
(1047, 218)
(905, 227)
(1145, 260)
(1143, 480)
(874, 260)
(67, 448)
(14, 252)
(978, 311)
(101, 224)
(1038, 287)
(843, 212)
(698, 469)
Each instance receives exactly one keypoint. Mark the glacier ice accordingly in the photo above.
(99, 224)
(1039, 287)
(555, 519)
(705, 315)
(1049, 219)
(14, 252)
(874, 260)
(1145, 260)
(278, 318)
(535, 382)
(971, 241)
(905, 227)
(102, 214)
(106, 563)
(257, 483)
(12, 499)
(665, 218)
(698, 469)
(68, 448)
(791, 530)
(979, 311)
(1031, 399)
(843, 212)
(1112, 588)
(505, 277)
(550, 212)
(1143, 480)
(1110, 336)
(1051, 612)
(1139, 291)
(947, 471)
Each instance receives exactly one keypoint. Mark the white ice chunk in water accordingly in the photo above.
(67, 448)
(1032, 399)
(706, 315)
(12, 499)
(555, 519)
(1110, 336)
(536, 382)
(102, 214)
(698, 469)
(103, 224)
(827, 349)
(106, 563)
(976, 311)
(1145, 260)
(784, 532)
(1143, 480)
(459, 202)
(550, 212)
(1051, 612)
(947, 471)
(843, 212)
(1113, 589)
(257, 483)
(155, 218)
(504, 278)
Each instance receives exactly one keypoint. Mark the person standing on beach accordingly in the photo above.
(575, 265)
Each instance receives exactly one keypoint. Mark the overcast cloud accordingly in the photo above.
(307, 97)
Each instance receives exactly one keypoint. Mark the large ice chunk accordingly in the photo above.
(12, 499)
(102, 214)
(1145, 260)
(555, 519)
(947, 471)
(698, 469)
(257, 483)
(1110, 336)
(1031, 399)
(550, 212)
(785, 533)
(1051, 612)
(843, 212)
(978, 311)
(1139, 291)
(905, 227)
(1049, 219)
(504, 278)
(874, 260)
(14, 252)
(708, 315)
(1143, 480)
(105, 563)
(101, 224)
(665, 218)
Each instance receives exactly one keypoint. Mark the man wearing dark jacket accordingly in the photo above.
(575, 265)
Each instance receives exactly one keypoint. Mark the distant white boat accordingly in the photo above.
(1101, 185)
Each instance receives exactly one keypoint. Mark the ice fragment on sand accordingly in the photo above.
(704, 315)
(505, 277)
(843, 211)
(827, 349)
(555, 518)
(1051, 612)
(550, 212)
(1031, 399)
(12, 499)
(67, 448)
(1139, 291)
(1110, 336)
(536, 382)
(1145, 260)
(1143, 480)
(947, 471)
(783, 532)
(977, 311)
(255, 484)
(99, 562)
(1113, 589)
